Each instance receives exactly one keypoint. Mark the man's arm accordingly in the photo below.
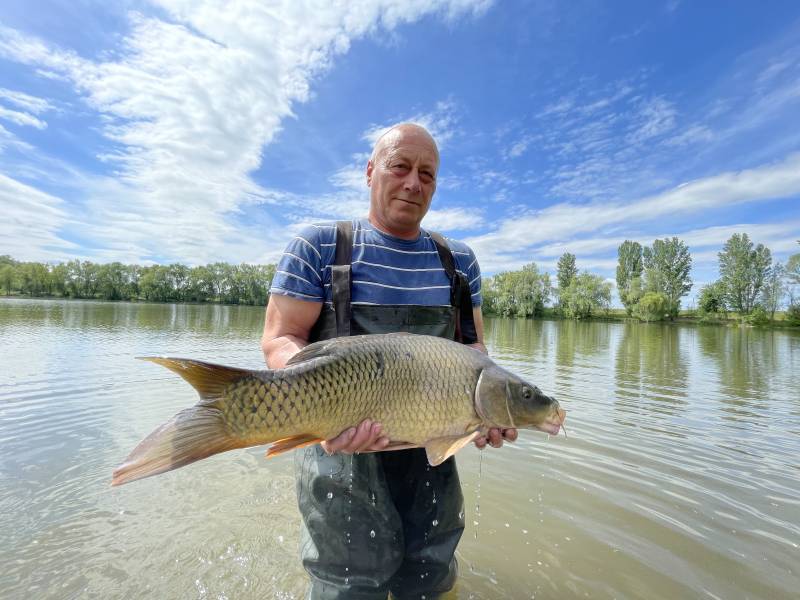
(495, 436)
(287, 326)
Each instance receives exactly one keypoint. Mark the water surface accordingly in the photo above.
(680, 476)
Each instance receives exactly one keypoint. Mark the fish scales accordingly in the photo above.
(425, 391)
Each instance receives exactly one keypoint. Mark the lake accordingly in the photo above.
(679, 478)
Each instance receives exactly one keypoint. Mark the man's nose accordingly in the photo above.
(412, 182)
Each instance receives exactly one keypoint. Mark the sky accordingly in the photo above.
(197, 131)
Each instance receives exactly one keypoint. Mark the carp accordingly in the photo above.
(426, 392)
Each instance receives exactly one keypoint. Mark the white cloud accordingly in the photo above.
(29, 229)
(441, 123)
(25, 101)
(21, 118)
(192, 99)
(451, 219)
(564, 221)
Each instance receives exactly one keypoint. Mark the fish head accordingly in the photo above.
(504, 400)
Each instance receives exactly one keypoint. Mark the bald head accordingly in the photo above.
(391, 136)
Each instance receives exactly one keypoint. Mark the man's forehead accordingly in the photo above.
(406, 145)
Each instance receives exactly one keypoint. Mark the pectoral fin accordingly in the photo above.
(291, 443)
(440, 449)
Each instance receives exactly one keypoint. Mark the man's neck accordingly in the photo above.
(402, 234)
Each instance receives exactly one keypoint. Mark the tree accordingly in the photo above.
(585, 295)
(652, 307)
(629, 273)
(712, 299)
(522, 293)
(774, 290)
(566, 273)
(668, 265)
(8, 277)
(793, 268)
(743, 270)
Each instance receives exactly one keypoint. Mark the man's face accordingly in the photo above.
(402, 180)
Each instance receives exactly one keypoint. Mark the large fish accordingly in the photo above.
(426, 392)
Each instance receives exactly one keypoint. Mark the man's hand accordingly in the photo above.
(495, 436)
(364, 438)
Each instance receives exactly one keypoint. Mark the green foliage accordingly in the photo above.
(629, 274)
(712, 299)
(774, 289)
(585, 296)
(793, 268)
(8, 278)
(220, 282)
(566, 273)
(744, 270)
(653, 306)
(758, 316)
(793, 314)
(667, 266)
(521, 293)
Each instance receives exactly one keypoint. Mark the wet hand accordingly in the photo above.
(495, 437)
(364, 438)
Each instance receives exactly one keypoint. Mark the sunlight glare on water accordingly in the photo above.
(679, 478)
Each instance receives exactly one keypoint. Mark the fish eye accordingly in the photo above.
(527, 394)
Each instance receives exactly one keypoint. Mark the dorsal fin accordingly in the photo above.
(315, 350)
(332, 346)
(208, 379)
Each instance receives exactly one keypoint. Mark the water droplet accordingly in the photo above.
(435, 522)
(330, 495)
(427, 484)
(348, 518)
(346, 580)
(507, 525)
(372, 533)
(346, 569)
(461, 515)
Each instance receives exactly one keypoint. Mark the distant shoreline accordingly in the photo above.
(611, 316)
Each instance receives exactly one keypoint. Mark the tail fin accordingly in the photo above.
(192, 434)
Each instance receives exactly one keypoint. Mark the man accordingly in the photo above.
(378, 521)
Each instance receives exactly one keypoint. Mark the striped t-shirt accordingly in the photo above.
(385, 269)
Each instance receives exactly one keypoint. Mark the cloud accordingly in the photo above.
(441, 123)
(563, 221)
(21, 118)
(31, 222)
(190, 99)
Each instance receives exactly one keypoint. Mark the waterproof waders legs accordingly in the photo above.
(360, 542)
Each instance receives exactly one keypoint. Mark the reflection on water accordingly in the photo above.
(679, 479)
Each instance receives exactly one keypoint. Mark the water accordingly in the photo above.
(680, 476)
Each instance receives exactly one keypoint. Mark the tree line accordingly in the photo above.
(218, 282)
(651, 283)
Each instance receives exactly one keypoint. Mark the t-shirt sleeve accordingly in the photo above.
(474, 278)
(299, 270)
(467, 263)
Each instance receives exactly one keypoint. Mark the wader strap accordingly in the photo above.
(341, 277)
(460, 297)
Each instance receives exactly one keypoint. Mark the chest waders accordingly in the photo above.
(382, 522)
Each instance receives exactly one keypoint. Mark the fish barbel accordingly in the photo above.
(425, 391)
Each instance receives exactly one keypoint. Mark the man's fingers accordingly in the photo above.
(480, 442)
(367, 436)
(339, 442)
(510, 435)
(495, 437)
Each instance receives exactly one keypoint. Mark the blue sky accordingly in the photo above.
(196, 130)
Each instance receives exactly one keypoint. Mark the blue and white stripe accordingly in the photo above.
(385, 269)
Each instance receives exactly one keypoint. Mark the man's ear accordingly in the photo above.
(369, 172)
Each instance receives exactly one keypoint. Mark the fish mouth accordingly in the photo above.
(552, 424)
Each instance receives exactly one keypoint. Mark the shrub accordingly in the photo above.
(758, 316)
(652, 307)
